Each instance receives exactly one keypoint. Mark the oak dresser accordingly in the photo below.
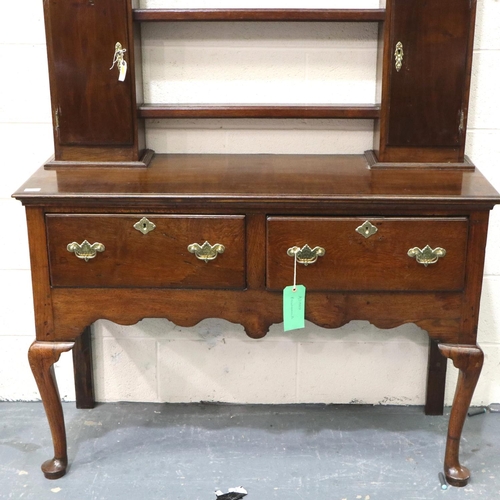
(392, 235)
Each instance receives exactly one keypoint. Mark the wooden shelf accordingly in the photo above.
(258, 111)
(338, 15)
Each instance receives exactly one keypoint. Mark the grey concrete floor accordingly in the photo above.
(184, 452)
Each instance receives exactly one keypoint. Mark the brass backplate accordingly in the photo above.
(426, 255)
(206, 252)
(306, 255)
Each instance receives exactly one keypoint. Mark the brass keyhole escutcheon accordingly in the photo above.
(367, 229)
(398, 55)
(144, 226)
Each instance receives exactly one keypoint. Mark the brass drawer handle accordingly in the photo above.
(85, 250)
(427, 255)
(306, 255)
(206, 251)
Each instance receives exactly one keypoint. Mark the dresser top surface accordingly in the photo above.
(258, 178)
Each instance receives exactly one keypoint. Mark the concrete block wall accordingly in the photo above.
(250, 62)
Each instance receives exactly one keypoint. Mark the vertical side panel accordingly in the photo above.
(42, 293)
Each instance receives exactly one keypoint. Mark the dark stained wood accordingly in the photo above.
(94, 114)
(94, 161)
(372, 15)
(426, 95)
(448, 209)
(375, 164)
(42, 356)
(478, 230)
(256, 251)
(298, 182)
(469, 360)
(40, 277)
(415, 187)
(424, 110)
(380, 262)
(258, 111)
(383, 32)
(436, 379)
(83, 370)
(437, 313)
(82, 71)
(157, 259)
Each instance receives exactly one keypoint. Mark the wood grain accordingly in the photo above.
(380, 262)
(425, 103)
(157, 259)
(293, 183)
(437, 313)
(469, 360)
(351, 111)
(42, 356)
(275, 15)
(83, 370)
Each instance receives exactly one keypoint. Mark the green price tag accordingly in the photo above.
(294, 307)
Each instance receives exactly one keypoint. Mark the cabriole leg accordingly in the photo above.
(42, 356)
(469, 360)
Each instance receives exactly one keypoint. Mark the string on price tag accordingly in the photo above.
(294, 303)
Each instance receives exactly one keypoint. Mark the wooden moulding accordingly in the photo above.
(374, 164)
(276, 15)
(52, 164)
(353, 111)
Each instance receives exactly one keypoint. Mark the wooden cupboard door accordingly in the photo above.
(93, 107)
(373, 261)
(428, 95)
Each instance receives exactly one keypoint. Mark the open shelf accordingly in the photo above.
(365, 111)
(339, 15)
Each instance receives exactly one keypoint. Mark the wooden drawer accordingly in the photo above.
(379, 262)
(159, 258)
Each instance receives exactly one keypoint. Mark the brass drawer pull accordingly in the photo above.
(206, 251)
(427, 255)
(85, 250)
(306, 255)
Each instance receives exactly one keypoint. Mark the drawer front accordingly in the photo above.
(159, 258)
(378, 262)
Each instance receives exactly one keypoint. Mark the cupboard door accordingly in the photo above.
(427, 98)
(93, 107)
